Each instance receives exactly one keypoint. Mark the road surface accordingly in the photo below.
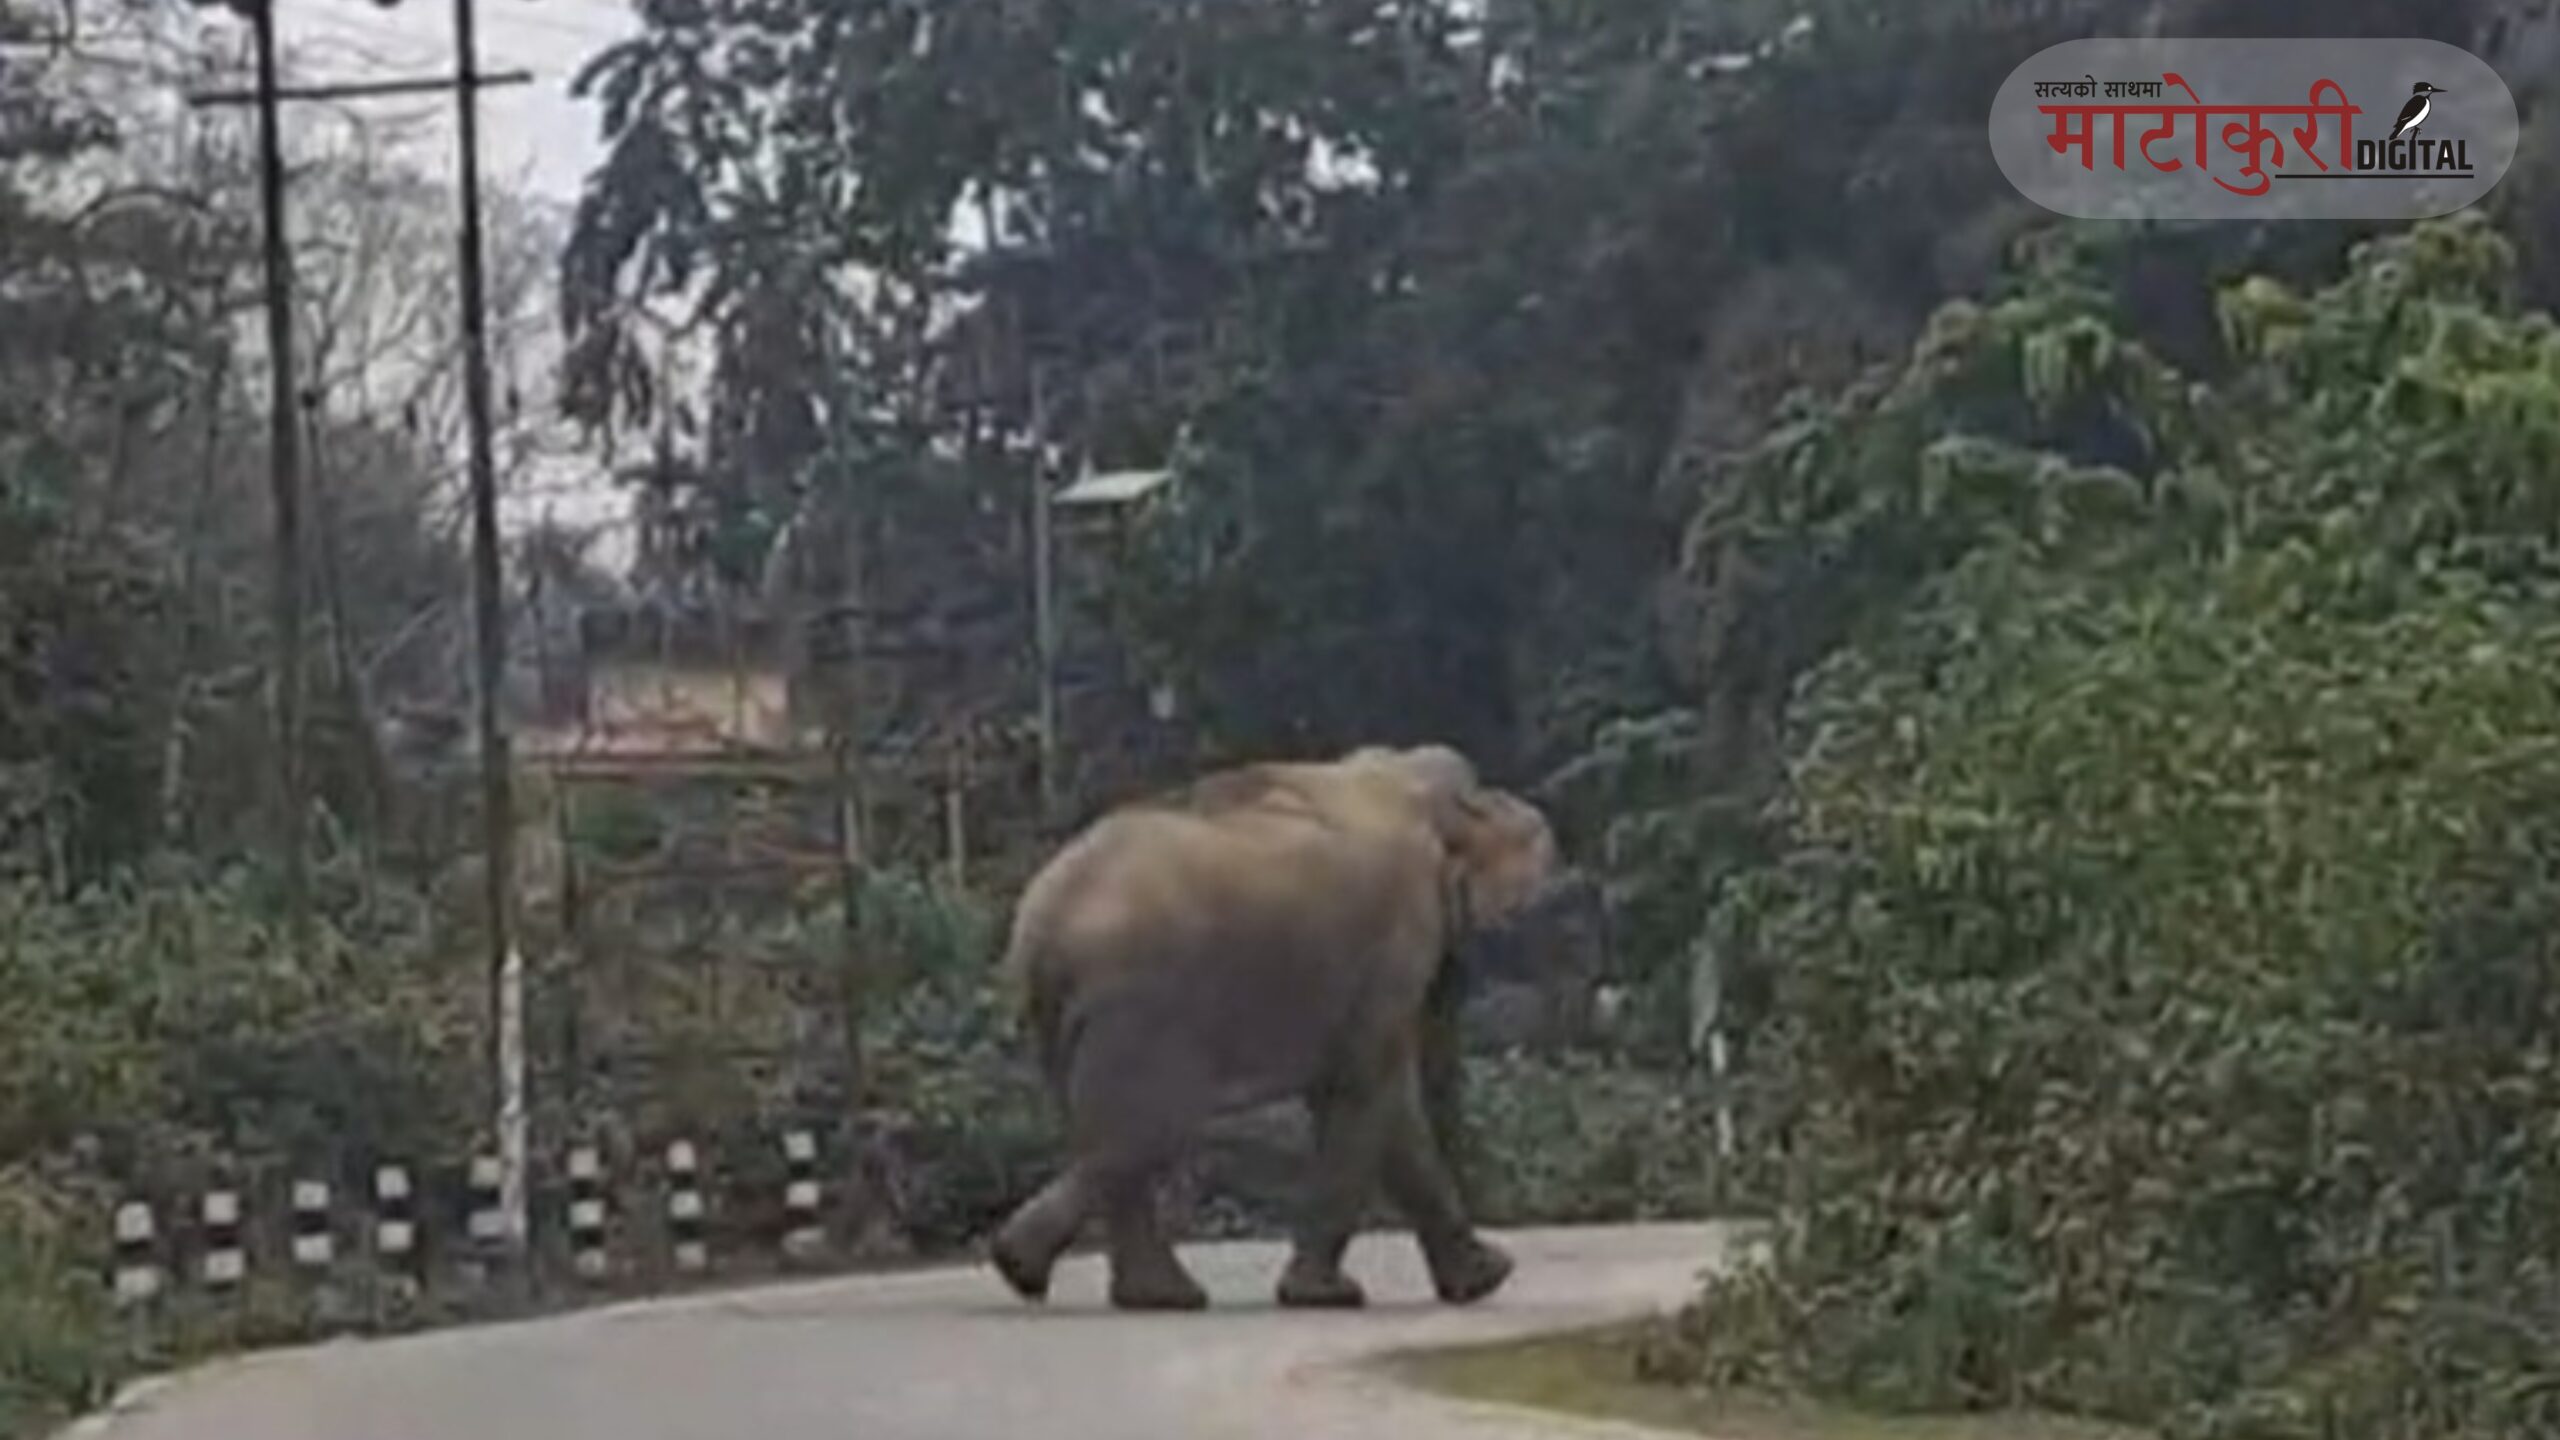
(944, 1355)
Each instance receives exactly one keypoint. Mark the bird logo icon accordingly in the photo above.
(2414, 114)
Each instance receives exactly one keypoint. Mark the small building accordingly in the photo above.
(655, 686)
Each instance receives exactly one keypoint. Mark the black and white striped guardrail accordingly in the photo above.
(225, 1260)
(488, 1219)
(315, 1245)
(395, 1219)
(137, 1271)
(312, 1238)
(803, 1232)
(587, 1212)
(685, 1211)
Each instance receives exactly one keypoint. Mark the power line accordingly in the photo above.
(361, 89)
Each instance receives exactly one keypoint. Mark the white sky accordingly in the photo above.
(537, 136)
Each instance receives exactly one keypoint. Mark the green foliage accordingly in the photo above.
(57, 1350)
(1578, 1139)
(949, 1076)
(153, 1030)
(969, 1120)
(2159, 934)
(145, 1015)
(919, 927)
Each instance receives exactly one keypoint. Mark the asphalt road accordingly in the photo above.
(944, 1355)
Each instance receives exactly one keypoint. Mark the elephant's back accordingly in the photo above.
(1148, 867)
(1162, 890)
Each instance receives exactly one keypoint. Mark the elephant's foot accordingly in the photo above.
(1161, 1285)
(1469, 1270)
(1028, 1277)
(1309, 1285)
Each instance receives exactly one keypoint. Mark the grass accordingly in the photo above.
(1588, 1373)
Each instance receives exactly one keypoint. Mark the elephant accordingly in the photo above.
(1270, 933)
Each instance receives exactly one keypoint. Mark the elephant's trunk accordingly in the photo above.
(1443, 1072)
(1555, 933)
(1559, 931)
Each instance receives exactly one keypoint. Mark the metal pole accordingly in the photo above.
(506, 976)
(1706, 1028)
(284, 478)
(1044, 623)
(955, 818)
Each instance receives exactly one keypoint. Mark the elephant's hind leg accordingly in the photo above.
(1130, 1102)
(1028, 1246)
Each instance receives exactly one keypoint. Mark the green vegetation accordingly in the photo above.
(150, 1037)
(2165, 869)
(1587, 1374)
(1585, 1137)
(57, 1348)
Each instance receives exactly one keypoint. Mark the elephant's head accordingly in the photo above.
(1518, 910)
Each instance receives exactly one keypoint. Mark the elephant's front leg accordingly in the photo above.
(1464, 1266)
(1352, 1123)
(1145, 1275)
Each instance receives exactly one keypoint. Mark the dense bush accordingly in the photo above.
(969, 1124)
(167, 1015)
(152, 1030)
(1580, 1138)
(58, 1352)
(2162, 934)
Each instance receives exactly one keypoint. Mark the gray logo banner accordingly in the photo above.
(2166, 129)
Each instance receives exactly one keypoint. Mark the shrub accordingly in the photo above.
(1574, 1137)
(969, 1123)
(59, 1353)
(144, 1016)
(2163, 923)
(153, 1028)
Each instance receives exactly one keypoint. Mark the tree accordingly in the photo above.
(2163, 858)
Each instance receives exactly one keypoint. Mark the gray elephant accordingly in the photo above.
(1270, 933)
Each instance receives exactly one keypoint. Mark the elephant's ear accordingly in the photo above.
(1501, 851)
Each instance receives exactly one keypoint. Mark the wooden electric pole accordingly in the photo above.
(497, 797)
(506, 1051)
(1044, 618)
(284, 483)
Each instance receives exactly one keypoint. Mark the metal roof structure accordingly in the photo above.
(1113, 487)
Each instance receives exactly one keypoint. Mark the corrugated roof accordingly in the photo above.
(1114, 487)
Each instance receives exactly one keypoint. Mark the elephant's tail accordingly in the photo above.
(1044, 1011)
(1040, 1002)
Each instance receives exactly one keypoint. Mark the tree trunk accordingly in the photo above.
(173, 748)
(355, 704)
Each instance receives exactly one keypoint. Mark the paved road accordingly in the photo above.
(944, 1355)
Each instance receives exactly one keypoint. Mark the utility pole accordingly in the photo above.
(1044, 618)
(506, 1009)
(497, 799)
(284, 482)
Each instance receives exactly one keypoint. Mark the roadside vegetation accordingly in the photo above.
(2160, 915)
(1585, 1373)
